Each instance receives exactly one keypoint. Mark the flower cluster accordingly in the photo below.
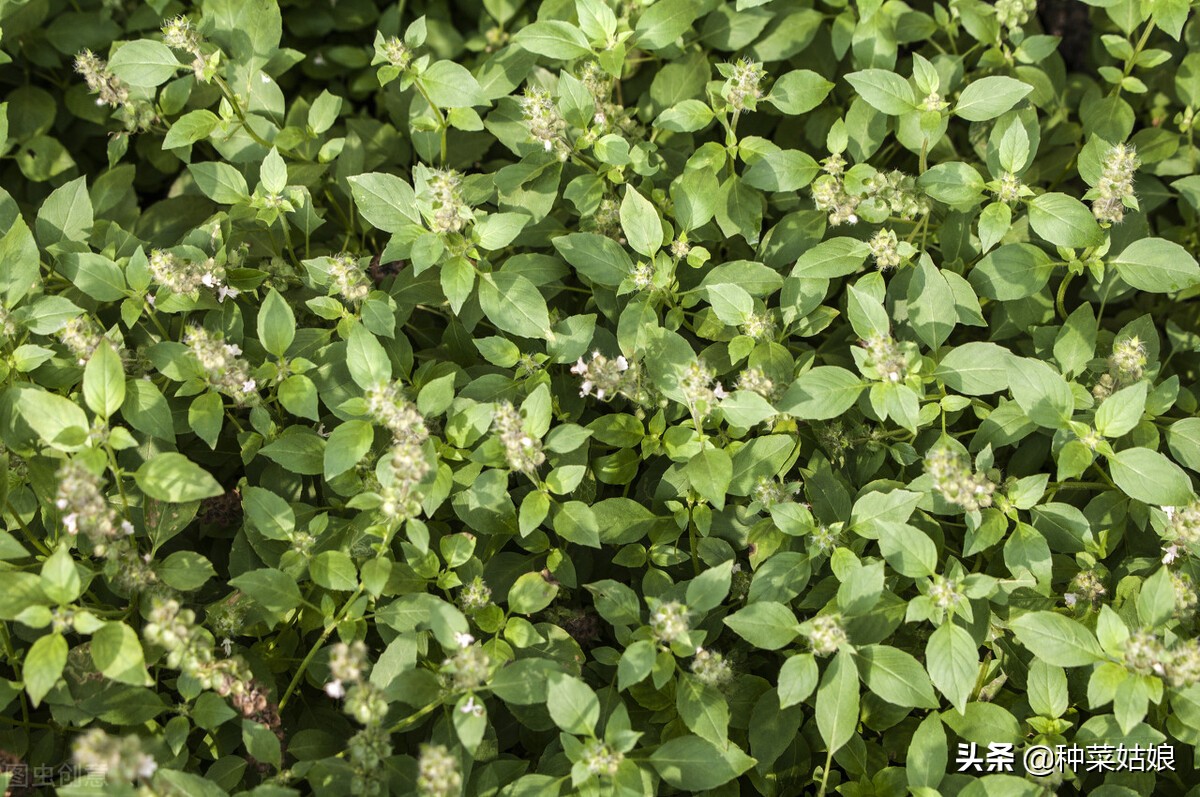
(1012, 14)
(86, 509)
(438, 774)
(523, 451)
(543, 120)
(101, 81)
(760, 326)
(743, 84)
(711, 668)
(449, 212)
(830, 196)
(1145, 654)
(955, 481)
(1087, 586)
(601, 760)
(347, 665)
(669, 622)
(756, 380)
(605, 377)
(700, 388)
(945, 593)
(1009, 188)
(469, 667)
(347, 278)
(896, 193)
(769, 492)
(81, 337)
(388, 407)
(1114, 192)
(826, 634)
(885, 358)
(1126, 365)
(1184, 524)
(224, 370)
(187, 278)
(475, 595)
(120, 759)
(824, 540)
(885, 249)
(178, 34)
(393, 52)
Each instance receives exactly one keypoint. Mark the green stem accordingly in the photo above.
(237, 109)
(291, 688)
(1060, 302)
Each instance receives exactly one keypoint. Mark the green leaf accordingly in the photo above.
(953, 661)
(385, 200)
(799, 91)
(765, 625)
(173, 477)
(576, 522)
(19, 253)
(1057, 639)
(365, 357)
(641, 224)
(144, 63)
(334, 570)
(514, 305)
(665, 21)
(531, 593)
(276, 324)
(347, 445)
(989, 97)
(835, 257)
(1122, 411)
(43, 665)
(825, 392)
(1041, 392)
(709, 473)
(1012, 271)
(597, 257)
(59, 578)
(1064, 221)
(206, 417)
(797, 679)
(1157, 266)
(956, 184)
(694, 764)
(450, 85)
(931, 309)
(117, 654)
(883, 90)
(896, 676)
(784, 170)
(104, 381)
(975, 369)
(908, 550)
(573, 705)
(220, 182)
(274, 590)
(554, 39)
(1150, 477)
(838, 701)
(703, 710)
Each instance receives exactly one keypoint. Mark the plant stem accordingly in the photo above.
(317, 646)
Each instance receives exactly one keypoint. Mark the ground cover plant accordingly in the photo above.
(601, 397)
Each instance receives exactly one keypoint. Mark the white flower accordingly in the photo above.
(127, 527)
(1070, 599)
(719, 391)
(335, 689)
(463, 639)
(471, 707)
(1169, 511)
(1170, 554)
(249, 385)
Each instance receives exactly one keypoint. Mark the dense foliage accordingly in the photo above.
(602, 397)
